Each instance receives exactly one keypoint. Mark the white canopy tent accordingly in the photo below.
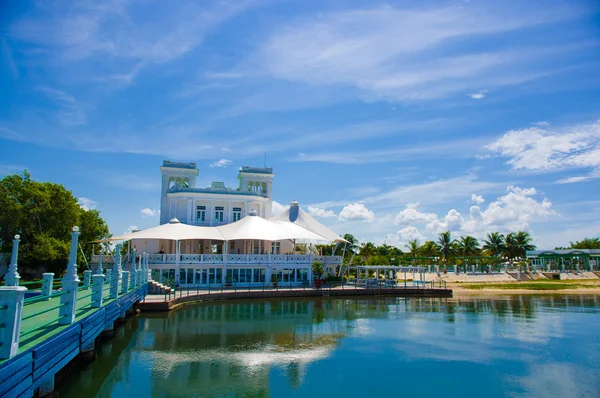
(254, 227)
(296, 216)
(174, 230)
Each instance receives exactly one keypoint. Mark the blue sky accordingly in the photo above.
(389, 120)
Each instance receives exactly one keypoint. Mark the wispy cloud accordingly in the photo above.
(71, 32)
(86, 203)
(8, 58)
(70, 112)
(395, 53)
(549, 150)
(148, 212)
(478, 95)
(221, 163)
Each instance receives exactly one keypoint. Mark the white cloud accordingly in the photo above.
(477, 199)
(277, 208)
(148, 212)
(410, 215)
(544, 150)
(86, 204)
(543, 124)
(356, 211)
(221, 163)
(321, 213)
(409, 233)
(385, 52)
(131, 228)
(453, 221)
(478, 95)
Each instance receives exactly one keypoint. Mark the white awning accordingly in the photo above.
(174, 230)
(294, 215)
(255, 227)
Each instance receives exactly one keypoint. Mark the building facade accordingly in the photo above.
(205, 263)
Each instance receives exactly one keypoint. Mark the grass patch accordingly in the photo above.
(534, 285)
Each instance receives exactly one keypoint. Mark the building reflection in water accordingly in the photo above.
(234, 348)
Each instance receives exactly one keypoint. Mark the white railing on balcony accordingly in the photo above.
(232, 259)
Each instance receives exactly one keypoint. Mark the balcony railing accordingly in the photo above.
(232, 259)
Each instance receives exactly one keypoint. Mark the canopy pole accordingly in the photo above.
(177, 263)
(343, 254)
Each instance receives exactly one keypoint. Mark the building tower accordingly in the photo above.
(258, 180)
(175, 175)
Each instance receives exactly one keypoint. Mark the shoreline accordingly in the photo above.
(459, 291)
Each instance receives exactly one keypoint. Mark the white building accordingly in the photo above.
(204, 262)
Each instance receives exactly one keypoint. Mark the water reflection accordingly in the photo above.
(296, 347)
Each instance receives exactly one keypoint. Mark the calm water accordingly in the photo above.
(519, 346)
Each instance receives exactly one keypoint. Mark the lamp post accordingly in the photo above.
(12, 276)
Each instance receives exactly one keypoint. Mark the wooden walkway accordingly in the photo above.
(45, 347)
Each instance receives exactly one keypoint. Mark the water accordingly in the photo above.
(521, 346)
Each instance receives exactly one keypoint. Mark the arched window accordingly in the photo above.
(171, 182)
(186, 183)
(178, 182)
(250, 186)
(263, 187)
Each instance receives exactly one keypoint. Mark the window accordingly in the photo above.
(256, 247)
(201, 213)
(237, 214)
(219, 213)
(275, 248)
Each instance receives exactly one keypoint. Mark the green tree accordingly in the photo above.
(413, 247)
(468, 246)
(587, 243)
(378, 259)
(43, 214)
(429, 249)
(517, 244)
(367, 249)
(352, 244)
(445, 245)
(494, 244)
(317, 269)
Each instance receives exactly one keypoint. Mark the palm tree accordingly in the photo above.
(468, 246)
(445, 245)
(367, 249)
(352, 244)
(510, 246)
(494, 244)
(523, 244)
(429, 249)
(413, 247)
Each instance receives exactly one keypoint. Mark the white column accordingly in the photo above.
(97, 288)
(70, 284)
(47, 282)
(87, 278)
(190, 211)
(116, 273)
(12, 276)
(11, 303)
(99, 268)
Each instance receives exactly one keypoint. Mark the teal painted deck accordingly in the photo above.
(45, 347)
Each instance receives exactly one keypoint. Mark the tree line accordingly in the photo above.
(43, 214)
(496, 247)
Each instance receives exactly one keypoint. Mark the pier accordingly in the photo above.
(43, 329)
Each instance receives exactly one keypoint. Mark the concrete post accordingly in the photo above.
(70, 284)
(47, 282)
(87, 278)
(97, 290)
(146, 268)
(125, 282)
(133, 270)
(99, 269)
(11, 310)
(116, 273)
(108, 276)
(455, 269)
(12, 276)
